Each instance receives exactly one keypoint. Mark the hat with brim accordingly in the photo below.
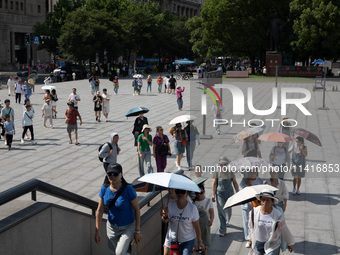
(71, 104)
(114, 168)
(284, 117)
(267, 193)
(223, 160)
(146, 126)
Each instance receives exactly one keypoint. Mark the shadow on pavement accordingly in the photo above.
(313, 248)
(317, 198)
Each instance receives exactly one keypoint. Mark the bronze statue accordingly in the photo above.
(275, 32)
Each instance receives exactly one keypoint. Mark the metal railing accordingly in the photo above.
(34, 185)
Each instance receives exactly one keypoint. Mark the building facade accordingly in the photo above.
(17, 18)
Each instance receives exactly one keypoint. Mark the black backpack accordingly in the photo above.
(163, 148)
(100, 148)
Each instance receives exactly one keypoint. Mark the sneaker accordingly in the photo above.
(22, 141)
(218, 132)
(298, 192)
(247, 245)
(222, 235)
(26, 137)
(34, 142)
(5, 142)
(294, 192)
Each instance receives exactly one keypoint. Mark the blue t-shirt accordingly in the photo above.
(9, 126)
(122, 212)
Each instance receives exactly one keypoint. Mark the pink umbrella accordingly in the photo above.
(275, 137)
(307, 135)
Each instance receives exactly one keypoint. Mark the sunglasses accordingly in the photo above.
(113, 174)
(180, 191)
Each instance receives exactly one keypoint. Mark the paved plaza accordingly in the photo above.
(312, 217)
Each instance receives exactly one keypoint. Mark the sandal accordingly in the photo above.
(70, 142)
(76, 143)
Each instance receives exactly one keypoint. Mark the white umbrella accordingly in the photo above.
(48, 87)
(246, 195)
(138, 76)
(56, 70)
(182, 118)
(171, 180)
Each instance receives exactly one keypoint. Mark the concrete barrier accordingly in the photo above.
(237, 74)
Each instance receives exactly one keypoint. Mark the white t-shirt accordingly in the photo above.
(180, 224)
(106, 103)
(202, 204)
(264, 227)
(280, 157)
(47, 108)
(73, 98)
(18, 88)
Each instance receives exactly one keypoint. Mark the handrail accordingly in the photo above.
(34, 185)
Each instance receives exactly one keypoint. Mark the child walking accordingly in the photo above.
(9, 130)
(27, 123)
(179, 91)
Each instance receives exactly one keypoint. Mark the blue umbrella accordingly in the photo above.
(136, 111)
(184, 61)
(319, 61)
(171, 180)
(201, 68)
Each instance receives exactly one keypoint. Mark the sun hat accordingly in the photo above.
(267, 193)
(284, 117)
(71, 104)
(146, 126)
(223, 160)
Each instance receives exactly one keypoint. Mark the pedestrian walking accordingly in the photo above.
(27, 124)
(250, 147)
(140, 121)
(135, 87)
(218, 110)
(179, 91)
(144, 141)
(285, 127)
(98, 102)
(31, 82)
(183, 218)
(106, 105)
(140, 85)
(47, 95)
(9, 130)
(74, 98)
(10, 86)
(7, 110)
(54, 100)
(27, 90)
(193, 136)
(71, 115)
(166, 84)
(123, 219)
(149, 82)
(299, 154)
(18, 91)
(181, 139)
(47, 112)
(267, 226)
(206, 217)
(118, 72)
(74, 76)
(115, 85)
(96, 83)
(251, 180)
(161, 149)
(279, 159)
(222, 189)
(282, 193)
(93, 86)
(27, 102)
(172, 85)
(160, 83)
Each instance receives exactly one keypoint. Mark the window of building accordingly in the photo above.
(39, 8)
(17, 6)
(0, 3)
(21, 6)
(6, 4)
(11, 5)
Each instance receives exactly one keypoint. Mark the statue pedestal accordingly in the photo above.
(273, 59)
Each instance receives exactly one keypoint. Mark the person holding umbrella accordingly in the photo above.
(279, 158)
(267, 225)
(140, 121)
(183, 221)
(144, 141)
(299, 154)
(181, 137)
(221, 190)
(250, 147)
(285, 127)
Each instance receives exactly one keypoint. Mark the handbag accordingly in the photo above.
(184, 142)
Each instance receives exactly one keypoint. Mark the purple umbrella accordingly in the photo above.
(307, 135)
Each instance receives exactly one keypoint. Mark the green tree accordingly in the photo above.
(316, 28)
(54, 21)
(86, 33)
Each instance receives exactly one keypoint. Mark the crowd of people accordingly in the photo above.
(189, 216)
